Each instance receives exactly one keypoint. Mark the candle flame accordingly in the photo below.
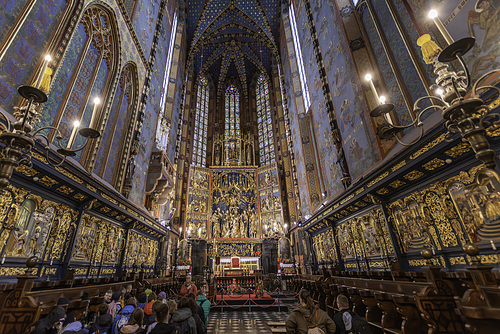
(368, 77)
(76, 123)
(97, 100)
(48, 58)
(433, 14)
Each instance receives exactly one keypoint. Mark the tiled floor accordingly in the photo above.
(243, 322)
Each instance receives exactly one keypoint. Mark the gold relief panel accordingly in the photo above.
(396, 184)
(28, 222)
(434, 164)
(413, 175)
(351, 265)
(12, 271)
(378, 179)
(458, 150)
(29, 172)
(109, 198)
(457, 260)
(91, 188)
(80, 197)
(69, 174)
(60, 235)
(81, 271)
(85, 238)
(428, 146)
(65, 189)
(105, 209)
(477, 203)
(383, 191)
(140, 249)
(49, 182)
(398, 166)
(324, 247)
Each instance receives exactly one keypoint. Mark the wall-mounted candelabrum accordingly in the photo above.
(18, 137)
(458, 99)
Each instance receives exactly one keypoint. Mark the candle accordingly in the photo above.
(76, 124)
(199, 233)
(46, 62)
(51, 261)
(3, 259)
(434, 16)
(97, 101)
(493, 245)
(433, 251)
(368, 78)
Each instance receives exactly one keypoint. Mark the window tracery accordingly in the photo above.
(201, 124)
(264, 121)
(232, 123)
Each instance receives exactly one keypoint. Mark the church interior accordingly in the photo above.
(253, 149)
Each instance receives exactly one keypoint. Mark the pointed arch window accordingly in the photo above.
(232, 121)
(88, 68)
(201, 124)
(119, 126)
(264, 121)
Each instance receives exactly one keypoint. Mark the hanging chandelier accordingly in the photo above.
(18, 137)
(461, 102)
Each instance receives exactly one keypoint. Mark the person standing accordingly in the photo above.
(188, 287)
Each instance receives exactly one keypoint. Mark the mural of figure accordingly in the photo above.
(489, 20)
(492, 207)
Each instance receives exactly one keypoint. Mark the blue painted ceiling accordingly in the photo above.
(232, 38)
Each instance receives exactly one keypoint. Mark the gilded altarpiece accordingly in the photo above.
(363, 241)
(197, 212)
(32, 226)
(98, 241)
(270, 201)
(324, 247)
(140, 250)
(234, 204)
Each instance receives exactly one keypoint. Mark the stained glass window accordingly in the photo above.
(201, 124)
(300, 62)
(163, 127)
(232, 119)
(264, 121)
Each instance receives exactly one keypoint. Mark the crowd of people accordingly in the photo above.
(123, 313)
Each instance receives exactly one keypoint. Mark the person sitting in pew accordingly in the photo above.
(115, 306)
(70, 326)
(349, 322)
(162, 326)
(134, 325)
(103, 322)
(308, 316)
(107, 297)
(52, 323)
(142, 300)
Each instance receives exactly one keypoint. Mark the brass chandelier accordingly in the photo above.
(19, 138)
(460, 101)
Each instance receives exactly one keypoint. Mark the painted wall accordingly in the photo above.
(152, 109)
(287, 57)
(359, 141)
(144, 22)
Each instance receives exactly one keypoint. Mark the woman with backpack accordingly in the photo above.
(134, 325)
(182, 319)
(307, 318)
(123, 317)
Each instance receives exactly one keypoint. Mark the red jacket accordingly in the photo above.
(192, 289)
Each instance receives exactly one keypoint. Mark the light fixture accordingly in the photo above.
(18, 138)
(458, 99)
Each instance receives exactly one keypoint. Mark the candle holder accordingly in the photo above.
(458, 99)
(18, 138)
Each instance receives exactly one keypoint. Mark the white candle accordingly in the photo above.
(368, 78)
(51, 261)
(493, 245)
(97, 101)
(46, 62)
(76, 124)
(3, 259)
(446, 35)
(433, 251)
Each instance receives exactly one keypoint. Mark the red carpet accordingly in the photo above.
(243, 298)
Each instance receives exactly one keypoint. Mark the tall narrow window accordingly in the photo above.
(300, 62)
(90, 64)
(264, 121)
(201, 124)
(232, 128)
(163, 128)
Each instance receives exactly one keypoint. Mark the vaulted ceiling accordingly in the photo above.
(232, 38)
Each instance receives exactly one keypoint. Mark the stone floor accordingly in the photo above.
(243, 322)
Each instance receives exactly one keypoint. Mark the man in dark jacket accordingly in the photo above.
(199, 309)
(162, 327)
(184, 314)
(103, 322)
(52, 323)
